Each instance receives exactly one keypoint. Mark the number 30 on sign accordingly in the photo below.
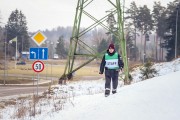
(38, 66)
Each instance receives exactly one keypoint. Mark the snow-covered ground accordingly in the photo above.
(154, 99)
(162, 68)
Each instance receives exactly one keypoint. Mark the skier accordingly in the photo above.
(113, 64)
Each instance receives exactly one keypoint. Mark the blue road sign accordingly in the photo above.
(34, 54)
(43, 53)
(38, 53)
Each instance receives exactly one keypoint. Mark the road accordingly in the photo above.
(29, 76)
(6, 91)
(11, 90)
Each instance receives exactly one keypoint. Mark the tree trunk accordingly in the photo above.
(141, 46)
(144, 54)
(156, 47)
(135, 45)
(160, 50)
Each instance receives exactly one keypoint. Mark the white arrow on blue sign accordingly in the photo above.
(38, 53)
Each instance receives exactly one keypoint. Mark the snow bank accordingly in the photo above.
(154, 99)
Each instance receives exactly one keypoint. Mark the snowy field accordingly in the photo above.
(154, 99)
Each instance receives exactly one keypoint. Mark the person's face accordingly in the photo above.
(111, 50)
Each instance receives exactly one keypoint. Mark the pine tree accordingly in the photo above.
(103, 46)
(2, 37)
(132, 16)
(158, 14)
(130, 45)
(147, 71)
(159, 17)
(144, 24)
(17, 27)
(115, 41)
(60, 48)
(170, 34)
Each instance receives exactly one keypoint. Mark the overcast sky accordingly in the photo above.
(48, 14)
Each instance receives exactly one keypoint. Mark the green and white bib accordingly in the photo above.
(111, 61)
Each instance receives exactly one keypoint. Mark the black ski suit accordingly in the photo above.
(111, 73)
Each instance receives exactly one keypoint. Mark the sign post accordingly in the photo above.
(38, 66)
(38, 54)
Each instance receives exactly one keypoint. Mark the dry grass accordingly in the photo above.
(2, 105)
(15, 80)
(23, 97)
(29, 106)
(56, 71)
(1, 116)
(22, 111)
(133, 64)
(5, 103)
(10, 102)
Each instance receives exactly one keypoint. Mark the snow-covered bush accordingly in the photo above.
(147, 71)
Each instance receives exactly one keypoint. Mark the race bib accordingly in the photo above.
(112, 64)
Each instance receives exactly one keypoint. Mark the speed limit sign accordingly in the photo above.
(38, 66)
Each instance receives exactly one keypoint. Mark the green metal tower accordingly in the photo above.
(77, 33)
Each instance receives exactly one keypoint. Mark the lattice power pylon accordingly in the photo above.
(77, 33)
